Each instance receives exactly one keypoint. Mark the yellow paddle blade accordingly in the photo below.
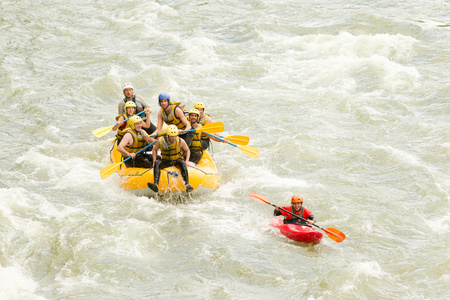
(109, 170)
(212, 127)
(249, 151)
(99, 132)
(238, 139)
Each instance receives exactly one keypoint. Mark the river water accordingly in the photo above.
(348, 103)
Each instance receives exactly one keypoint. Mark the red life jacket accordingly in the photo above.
(304, 212)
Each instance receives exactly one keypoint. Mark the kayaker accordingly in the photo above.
(203, 119)
(171, 114)
(141, 104)
(171, 146)
(134, 139)
(296, 208)
(194, 141)
(130, 109)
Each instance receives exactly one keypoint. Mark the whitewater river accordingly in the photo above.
(348, 103)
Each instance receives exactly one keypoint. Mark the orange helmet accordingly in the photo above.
(296, 199)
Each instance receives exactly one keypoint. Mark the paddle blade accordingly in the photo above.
(238, 139)
(259, 197)
(249, 151)
(212, 127)
(109, 170)
(99, 132)
(334, 234)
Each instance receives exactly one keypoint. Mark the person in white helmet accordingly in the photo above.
(141, 104)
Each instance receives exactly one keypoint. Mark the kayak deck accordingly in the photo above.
(298, 233)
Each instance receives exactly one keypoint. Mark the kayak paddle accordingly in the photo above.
(102, 131)
(247, 150)
(332, 233)
(211, 128)
(110, 169)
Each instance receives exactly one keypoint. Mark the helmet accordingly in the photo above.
(163, 96)
(296, 199)
(172, 130)
(194, 111)
(133, 120)
(199, 105)
(127, 86)
(129, 104)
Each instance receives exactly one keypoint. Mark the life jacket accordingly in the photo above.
(133, 98)
(196, 144)
(171, 118)
(170, 152)
(304, 213)
(139, 141)
(122, 127)
(202, 121)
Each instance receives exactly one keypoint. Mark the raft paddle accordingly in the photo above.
(211, 128)
(237, 139)
(102, 131)
(247, 150)
(332, 233)
(110, 169)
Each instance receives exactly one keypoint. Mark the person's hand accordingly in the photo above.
(148, 110)
(277, 207)
(133, 155)
(310, 222)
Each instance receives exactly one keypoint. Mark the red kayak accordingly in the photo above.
(298, 233)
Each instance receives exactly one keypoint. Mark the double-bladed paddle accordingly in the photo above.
(247, 150)
(332, 233)
(102, 131)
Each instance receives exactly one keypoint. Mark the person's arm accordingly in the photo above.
(119, 123)
(126, 141)
(147, 123)
(186, 149)
(208, 120)
(142, 101)
(277, 211)
(311, 220)
(159, 124)
(180, 115)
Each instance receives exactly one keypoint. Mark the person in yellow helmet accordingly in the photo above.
(204, 119)
(298, 209)
(195, 141)
(171, 147)
(141, 104)
(130, 110)
(134, 139)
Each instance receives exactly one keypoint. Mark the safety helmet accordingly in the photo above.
(127, 86)
(163, 96)
(172, 130)
(199, 105)
(194, 111)
(129, 104)
(133, 120)
(296, 199)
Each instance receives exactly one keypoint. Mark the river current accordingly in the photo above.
(348, 103)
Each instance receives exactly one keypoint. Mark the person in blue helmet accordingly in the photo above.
(172, 114)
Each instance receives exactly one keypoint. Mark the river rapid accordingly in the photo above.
(348, 103)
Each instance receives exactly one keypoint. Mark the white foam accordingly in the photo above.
(14, 284)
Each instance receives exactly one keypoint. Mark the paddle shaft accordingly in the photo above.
(220, 139)
(138, 151)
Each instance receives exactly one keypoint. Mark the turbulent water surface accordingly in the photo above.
(348, 103)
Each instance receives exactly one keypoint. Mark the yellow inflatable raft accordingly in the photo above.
(203, 175)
